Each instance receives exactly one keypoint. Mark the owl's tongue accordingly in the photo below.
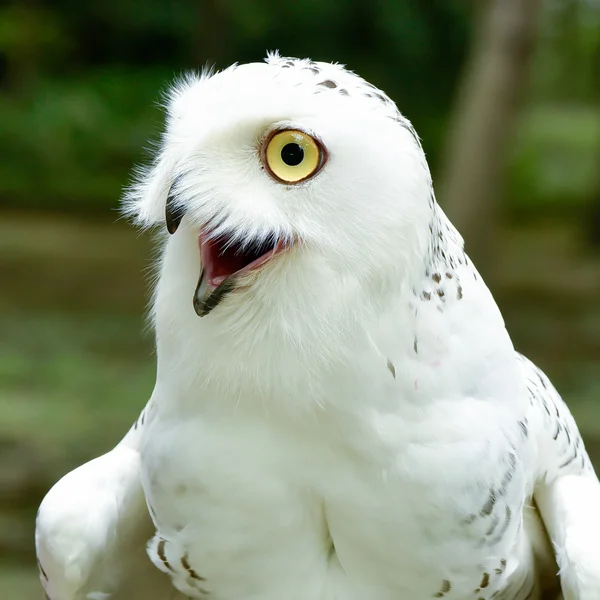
(222, 262)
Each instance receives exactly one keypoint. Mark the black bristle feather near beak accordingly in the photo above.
(173, 212)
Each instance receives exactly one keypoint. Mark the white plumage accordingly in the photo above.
(345, 418)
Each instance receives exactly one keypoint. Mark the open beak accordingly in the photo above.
(223, 259)
(223, 263)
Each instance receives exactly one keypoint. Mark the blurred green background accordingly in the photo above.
(80, 84)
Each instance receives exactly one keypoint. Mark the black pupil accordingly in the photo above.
(292, 154)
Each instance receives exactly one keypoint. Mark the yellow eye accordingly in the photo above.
(291, 156)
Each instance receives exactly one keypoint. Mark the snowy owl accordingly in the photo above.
(339, 412)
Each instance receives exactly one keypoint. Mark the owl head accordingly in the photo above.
(285, 186)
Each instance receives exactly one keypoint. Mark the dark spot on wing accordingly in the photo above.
(42, 572)
(505, 526)
(488, 507)
(186, 565)
(502, 567)
(512, 457)
(160, 550)
(569, 460)
(392, 369)
(328, 83)
(524, 428)
(557, 432)
(151, 511)
(492, 527)
(446, 587)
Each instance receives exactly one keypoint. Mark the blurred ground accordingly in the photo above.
(75, 363)
(76, 360)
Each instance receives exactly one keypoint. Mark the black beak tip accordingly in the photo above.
(200, 308)
(205, 300)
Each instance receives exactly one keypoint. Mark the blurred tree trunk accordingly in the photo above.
(592, 224)
(211, 44)
(19, 40)
(473, 162)
(28, 32)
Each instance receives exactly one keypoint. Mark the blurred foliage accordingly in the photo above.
(81, 81)
(556, 159)
(80, 84)
(556, 162)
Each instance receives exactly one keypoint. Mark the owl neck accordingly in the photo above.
(296, 349)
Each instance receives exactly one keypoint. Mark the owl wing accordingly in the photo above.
(567, 490)
(92, 529)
